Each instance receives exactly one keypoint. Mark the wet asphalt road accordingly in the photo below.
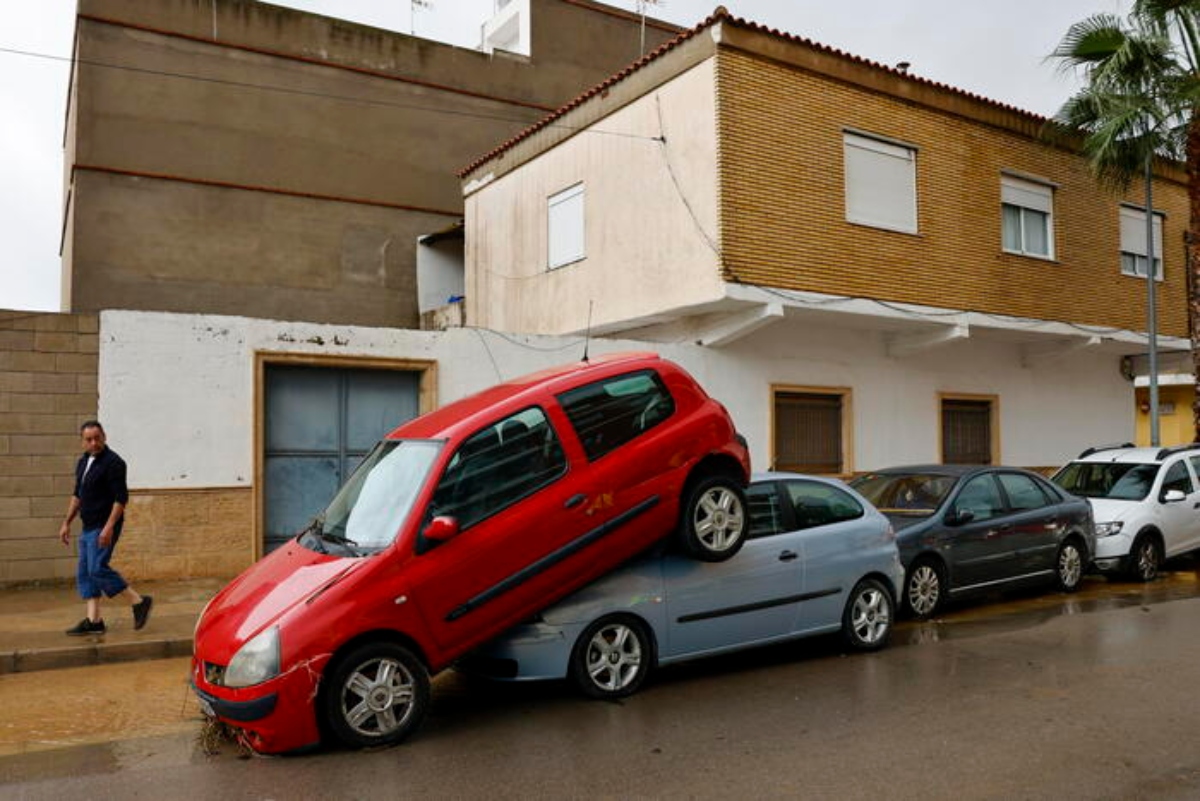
(1091, 696)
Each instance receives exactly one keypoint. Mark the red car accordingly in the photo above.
(459, 525)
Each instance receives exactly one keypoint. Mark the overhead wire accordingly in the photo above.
(287, 90)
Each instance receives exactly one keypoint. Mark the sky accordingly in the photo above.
(997, 50)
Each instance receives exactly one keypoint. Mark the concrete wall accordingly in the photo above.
(650, 219)
(48, 366)
(263, 161)
(179, 398)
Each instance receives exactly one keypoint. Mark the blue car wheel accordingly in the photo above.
(612, 657)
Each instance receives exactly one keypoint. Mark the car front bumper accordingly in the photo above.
(1112, 552)
(530, 652)
(274, 717)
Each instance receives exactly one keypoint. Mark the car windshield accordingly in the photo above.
(371, 507)
(1118, 481)
(907, 493)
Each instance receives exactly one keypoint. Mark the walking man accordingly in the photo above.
(99, 499)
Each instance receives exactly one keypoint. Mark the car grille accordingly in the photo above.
(214, 674)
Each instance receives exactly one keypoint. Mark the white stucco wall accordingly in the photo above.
(177, 391)
(651, 219)
(439, 273)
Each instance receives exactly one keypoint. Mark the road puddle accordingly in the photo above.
(981, 615)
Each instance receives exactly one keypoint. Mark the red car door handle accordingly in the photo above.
(788, 556)
(574, 501)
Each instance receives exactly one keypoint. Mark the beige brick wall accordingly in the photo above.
(187, 533)
(784, 222)
(48, 368)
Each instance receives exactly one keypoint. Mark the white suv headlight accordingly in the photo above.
(1108, 529)
(256, 661)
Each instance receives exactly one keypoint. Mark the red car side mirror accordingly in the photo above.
(441, 529)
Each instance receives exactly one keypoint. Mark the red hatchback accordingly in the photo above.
(459, 525)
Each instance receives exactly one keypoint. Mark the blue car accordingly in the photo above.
(819, 558)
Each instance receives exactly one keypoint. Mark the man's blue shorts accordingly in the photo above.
(94, 575)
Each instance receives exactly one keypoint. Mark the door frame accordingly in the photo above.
(426, 370)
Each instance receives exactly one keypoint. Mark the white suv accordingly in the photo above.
(1146, 502)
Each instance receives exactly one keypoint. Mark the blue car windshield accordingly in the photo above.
(1118, 481)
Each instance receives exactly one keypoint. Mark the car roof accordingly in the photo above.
(467, 414)
(783, 475)
(936, 469)
(1134, 455)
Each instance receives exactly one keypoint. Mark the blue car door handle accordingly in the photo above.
(788, 556)
(574, 501)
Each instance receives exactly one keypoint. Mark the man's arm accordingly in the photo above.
(106, 533)
(120, 491)
(64, 531)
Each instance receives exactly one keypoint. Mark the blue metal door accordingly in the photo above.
(319, 423)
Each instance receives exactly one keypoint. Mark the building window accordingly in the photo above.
(810, 430)
(881, 183)
(1133, 242)
(969, 433)
(564, 225)
(1027, 214)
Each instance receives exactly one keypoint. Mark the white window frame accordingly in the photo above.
(1133, 240)
(1033, 200)
(566, 227)
(880, 178)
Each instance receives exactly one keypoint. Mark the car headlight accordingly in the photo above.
(1108, 529)
(256, 661)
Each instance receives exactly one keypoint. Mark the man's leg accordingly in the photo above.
(88, 589)
(114, 586)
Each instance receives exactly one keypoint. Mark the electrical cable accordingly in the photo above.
(524, 121)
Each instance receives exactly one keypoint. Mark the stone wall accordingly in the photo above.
(187, 533)
(48, 379)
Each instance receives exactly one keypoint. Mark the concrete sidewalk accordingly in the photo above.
(33, 622)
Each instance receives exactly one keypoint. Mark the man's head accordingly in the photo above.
(93, 437)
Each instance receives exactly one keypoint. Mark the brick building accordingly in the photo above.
(910, 272)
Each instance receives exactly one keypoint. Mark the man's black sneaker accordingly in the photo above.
(85, 627)
(141, 611)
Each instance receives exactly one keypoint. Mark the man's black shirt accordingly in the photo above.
(103, 486)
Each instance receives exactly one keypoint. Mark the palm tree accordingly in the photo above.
(1141, 101)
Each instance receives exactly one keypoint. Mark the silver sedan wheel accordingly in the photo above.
(613, 659)
(871, 616)
(1070, 566)
(924, 589)
(718, 519)
(377, 698)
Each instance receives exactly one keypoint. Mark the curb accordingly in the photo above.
(96, 653)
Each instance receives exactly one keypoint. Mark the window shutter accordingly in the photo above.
(1133, 232)
(881, 184)
(565, 229)
(966, 432)
(808, 432)
(1027, 194)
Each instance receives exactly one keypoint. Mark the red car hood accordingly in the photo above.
(262, 594)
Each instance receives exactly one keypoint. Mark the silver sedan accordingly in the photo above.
(819, 558)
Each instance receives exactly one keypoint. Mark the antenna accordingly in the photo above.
(414, 5)
(587, 337)
(641, 10)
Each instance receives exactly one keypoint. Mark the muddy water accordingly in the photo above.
(127, 714)
(61, 708)
(991, 614)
